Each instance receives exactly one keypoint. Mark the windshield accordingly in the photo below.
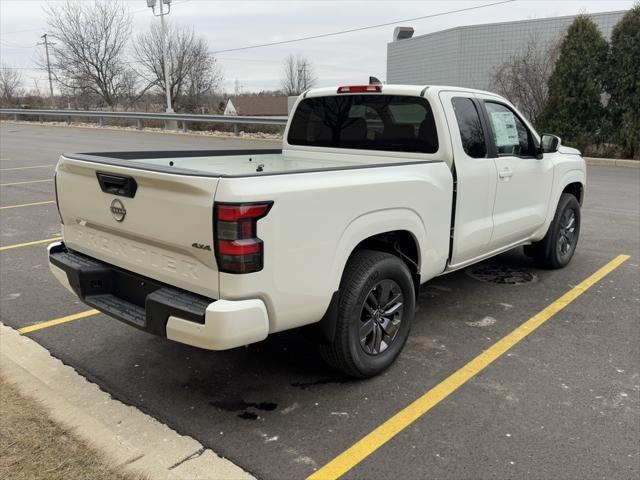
(369, 122)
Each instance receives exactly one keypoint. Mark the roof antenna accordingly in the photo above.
(374, 81)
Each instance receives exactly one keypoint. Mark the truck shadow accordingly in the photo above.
(252, 381)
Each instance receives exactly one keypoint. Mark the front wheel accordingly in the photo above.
(556, 249)
(375, 310)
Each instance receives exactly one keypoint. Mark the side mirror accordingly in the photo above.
(549, 143)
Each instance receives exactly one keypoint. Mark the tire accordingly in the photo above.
(557, 247)
(371, 281)
(531, 251)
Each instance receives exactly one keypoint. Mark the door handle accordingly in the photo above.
(505, 173)
(122, 185)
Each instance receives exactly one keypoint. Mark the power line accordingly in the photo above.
(21, 68)
(21, 31)
(10, 45)
(359, 29)
(324, 35)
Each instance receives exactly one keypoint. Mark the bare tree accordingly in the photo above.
(193, 70)
(298, 75)
(91, 39)
(523, 78)
(10, 85)
(203, 79)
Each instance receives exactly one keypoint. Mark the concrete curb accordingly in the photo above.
(127, 436)
(612, 162)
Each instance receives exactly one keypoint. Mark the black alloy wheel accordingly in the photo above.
(381, 317)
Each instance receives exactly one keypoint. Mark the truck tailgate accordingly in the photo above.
(161, 228)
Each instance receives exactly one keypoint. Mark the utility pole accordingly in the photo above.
(163, 33)
(46, 44)
(302, 77)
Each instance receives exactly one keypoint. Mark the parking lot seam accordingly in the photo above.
(405, 417)
(57, 321)
(24, 183)
(27, 204)
(27, 244)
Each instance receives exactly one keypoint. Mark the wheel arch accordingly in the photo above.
(572, 181)
(399, 232)
(576, 189)
(400, 243)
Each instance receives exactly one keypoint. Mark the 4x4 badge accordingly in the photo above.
(117, 210)
(201, 246)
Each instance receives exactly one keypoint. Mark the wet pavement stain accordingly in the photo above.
(322, 381)
(248, 416)
(245, 407)
(235, 405)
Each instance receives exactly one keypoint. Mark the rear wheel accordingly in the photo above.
(375, 310)
(556, 249)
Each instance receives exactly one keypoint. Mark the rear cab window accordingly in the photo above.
(368, 122)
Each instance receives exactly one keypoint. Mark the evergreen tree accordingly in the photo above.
(574, 109)
(623, 83)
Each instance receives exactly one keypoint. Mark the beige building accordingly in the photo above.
(467, 56)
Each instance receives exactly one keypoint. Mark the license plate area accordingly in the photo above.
(136, 300)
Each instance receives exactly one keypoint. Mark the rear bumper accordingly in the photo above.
(159, 308)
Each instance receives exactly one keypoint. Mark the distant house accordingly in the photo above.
(258, 105)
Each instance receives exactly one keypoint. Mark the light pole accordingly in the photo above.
(163, 34)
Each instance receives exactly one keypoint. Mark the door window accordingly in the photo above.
(510, 134)
(471, 132)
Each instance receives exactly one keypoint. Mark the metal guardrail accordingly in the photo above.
(168, 118)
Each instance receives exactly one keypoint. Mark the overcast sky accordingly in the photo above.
(342, 59)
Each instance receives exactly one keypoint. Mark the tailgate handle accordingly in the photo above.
(117, 184)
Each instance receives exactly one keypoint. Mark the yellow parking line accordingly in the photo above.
(19, 245)
(27, 168)
(57, 321)
(24, 183)
(405, 417)
(27, 204)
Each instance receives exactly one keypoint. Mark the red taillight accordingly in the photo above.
(360, 88)
(238, 248)
(231, 213)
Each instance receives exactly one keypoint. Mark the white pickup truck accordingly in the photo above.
(377, 189)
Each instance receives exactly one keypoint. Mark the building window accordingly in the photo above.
(471, 132)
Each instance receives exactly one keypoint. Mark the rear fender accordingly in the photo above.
(375, 223)
(360, 229)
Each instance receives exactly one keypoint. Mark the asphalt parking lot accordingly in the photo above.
(562, 403)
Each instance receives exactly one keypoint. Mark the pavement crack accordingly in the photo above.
(195, 454)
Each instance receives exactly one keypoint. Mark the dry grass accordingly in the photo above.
(34, 447)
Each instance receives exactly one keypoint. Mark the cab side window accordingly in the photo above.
(471, 132)
(510, 134)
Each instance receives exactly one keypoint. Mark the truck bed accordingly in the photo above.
(219, 163)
